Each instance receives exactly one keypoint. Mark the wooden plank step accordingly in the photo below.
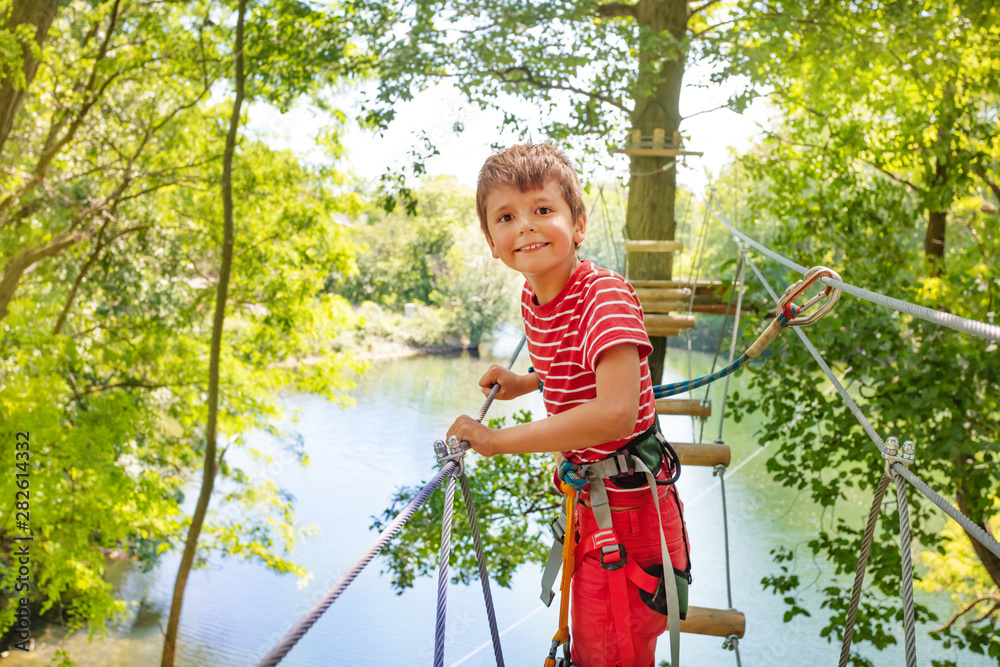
(663, 307)
(714, 622)
(669, 321)
(662, 293)
(653, 246)
(702, 454)
(701, 287)
(683, 406)
(662, 332)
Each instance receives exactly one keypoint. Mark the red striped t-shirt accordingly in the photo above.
(597, 309)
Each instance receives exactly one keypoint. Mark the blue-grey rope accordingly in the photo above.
(906, 582)
(965, 522)
(299, 629)
(973, 327)
(855, 410)
(442, 597)
(484, 575)
(859, 577)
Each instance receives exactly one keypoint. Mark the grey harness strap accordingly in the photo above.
(596, 473)
(554, 561)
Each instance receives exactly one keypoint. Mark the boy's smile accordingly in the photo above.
(534, 233)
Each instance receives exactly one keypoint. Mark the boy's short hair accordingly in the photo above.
(529, 167)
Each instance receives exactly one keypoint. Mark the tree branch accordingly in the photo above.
(694, 10)
(617, 10)
(528, 77)
(898, 179)
(968, 607)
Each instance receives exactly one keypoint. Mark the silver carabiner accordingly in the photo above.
(796, 290)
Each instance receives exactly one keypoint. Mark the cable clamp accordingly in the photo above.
(893, 453)
(786, 305)
(731, 642)
(450, 451)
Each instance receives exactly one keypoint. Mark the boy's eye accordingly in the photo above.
(506, 217)
(544, 210)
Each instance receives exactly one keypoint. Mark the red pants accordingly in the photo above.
(594, 637)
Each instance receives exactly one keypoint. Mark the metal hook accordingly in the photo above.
(796, 290)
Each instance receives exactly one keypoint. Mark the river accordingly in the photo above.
(235, 611)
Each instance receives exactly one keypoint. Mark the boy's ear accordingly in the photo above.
(580, 229)
(493, 247)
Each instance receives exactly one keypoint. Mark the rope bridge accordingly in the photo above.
(898, 460)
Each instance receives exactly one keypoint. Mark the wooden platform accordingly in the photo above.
(653, 246)
(714, 622)
(702, 454)
(683, 406)
(656, 324)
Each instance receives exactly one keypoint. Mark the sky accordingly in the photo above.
(435, 110)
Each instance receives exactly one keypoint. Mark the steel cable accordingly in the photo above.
(859, 577)
(484, 575)
(973, 327)
(302, 626)
(445, 556)
(906, 581)
(965, 522)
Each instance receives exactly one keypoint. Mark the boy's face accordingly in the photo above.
(534, 232)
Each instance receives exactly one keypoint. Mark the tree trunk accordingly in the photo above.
(651, 195)
(39, 13)
(211, 464)
(990, 561)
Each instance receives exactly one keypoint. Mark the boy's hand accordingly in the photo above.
(510, 383)
(478, 436)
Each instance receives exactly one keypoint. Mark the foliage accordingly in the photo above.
(954, 567)
(511, 495)
(886, 133)
(108, 242)
(402, 256)
(481, 291)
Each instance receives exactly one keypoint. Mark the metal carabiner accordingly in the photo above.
(796, 290)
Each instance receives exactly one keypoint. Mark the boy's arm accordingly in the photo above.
(610, 416)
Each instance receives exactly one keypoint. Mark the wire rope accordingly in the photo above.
(443, 565)
(859, 576)
(302, 626)
(484, 576)
(976, 328)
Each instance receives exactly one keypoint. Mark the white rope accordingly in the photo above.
(973, 327)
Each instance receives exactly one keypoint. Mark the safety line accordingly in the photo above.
(302, 626)
(443, 562)
(965, 522)
(973, 327)
(859, 415)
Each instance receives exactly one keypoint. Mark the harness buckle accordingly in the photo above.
(614, 560)
(785, 304)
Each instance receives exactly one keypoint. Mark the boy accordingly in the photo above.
(588, 348)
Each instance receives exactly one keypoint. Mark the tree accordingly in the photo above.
(105, 343)
(483, 292)
(888, 135)
(618, 67)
